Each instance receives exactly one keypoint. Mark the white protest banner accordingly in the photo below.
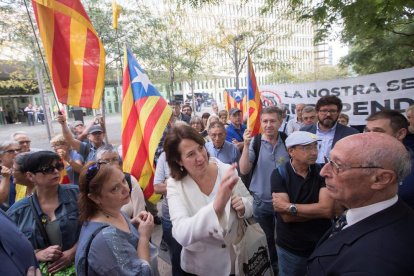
(361, 96)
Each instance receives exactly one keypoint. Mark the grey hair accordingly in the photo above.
(283, 107)
(396, 160)
(410, 108)
(400, 162)
(13, 136)
(20, 160)
(6, 144)
(108, 148)
(308, 109)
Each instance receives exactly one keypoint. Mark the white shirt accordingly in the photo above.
(355, 215)
(325, 145)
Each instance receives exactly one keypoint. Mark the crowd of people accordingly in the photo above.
(330, 200)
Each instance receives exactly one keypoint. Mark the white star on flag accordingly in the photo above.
(142, 78)
(238, 94)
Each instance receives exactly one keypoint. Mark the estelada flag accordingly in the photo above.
(254, 104)
(235, 98)
(74, 52)
(145, 115)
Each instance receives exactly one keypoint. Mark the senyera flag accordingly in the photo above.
(235, 98)
(254, 104)
(145, 115)
(74, 52)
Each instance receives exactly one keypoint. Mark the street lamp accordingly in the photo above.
(236, 60)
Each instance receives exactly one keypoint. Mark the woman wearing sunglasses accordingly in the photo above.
(49, 217)
(109, 243)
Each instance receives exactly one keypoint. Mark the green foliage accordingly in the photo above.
(379, 32)
(285, 75)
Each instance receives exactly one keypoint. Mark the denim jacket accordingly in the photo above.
(67, 214)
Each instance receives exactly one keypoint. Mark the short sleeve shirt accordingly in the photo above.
(299, 238)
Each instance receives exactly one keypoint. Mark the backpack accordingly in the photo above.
(257, 142)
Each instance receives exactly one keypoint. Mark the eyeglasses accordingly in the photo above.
(94, 169)
(335, 167)
(308, 147)
(51, 169)
(13, 151)
(325, 111)
(24, 142)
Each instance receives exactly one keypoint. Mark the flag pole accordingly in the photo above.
(247, 92)
(41, 56)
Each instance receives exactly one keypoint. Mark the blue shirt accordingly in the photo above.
(66, 213)
(12, 194)
(162, 172)
(228, 153)
(112, 251)
(73, 176)
(325, 145)
(88, 151)
(16, 252)
(270, 157)
(235, 133)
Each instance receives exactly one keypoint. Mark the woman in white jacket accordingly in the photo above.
(206, 199)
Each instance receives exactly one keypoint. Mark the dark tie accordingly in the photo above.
(339, 224)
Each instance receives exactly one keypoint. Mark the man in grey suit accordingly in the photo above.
(375, 235)
(327, 128)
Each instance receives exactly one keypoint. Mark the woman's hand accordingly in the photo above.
(145, 223)
(227, 184)
(65, 259)
(238, 205)
(49, 254)
(5, 172)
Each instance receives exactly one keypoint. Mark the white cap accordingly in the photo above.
(301, 138)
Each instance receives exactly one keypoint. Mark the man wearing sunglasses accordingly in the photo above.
(393, 123)
(327, 128)
(301, 202)
(375, 235)
(8, 151)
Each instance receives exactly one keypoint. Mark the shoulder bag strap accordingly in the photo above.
(88, 247)
(38, 222)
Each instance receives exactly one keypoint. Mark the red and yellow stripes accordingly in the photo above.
(74, 52)
(254, 104)
(143, 123)
(230, 102)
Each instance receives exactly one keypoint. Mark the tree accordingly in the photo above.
(379, 32)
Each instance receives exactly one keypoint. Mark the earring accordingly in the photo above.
(181, 168)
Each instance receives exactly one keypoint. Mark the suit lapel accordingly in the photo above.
(348, 236)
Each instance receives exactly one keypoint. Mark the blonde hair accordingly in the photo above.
(58, 139)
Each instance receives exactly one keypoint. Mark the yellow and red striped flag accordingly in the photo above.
(74, 52)
(116, 10)
(145, 115)
(254, 104)
(235, 98)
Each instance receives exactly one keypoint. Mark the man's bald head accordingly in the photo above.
(380, 150)
(365, 169)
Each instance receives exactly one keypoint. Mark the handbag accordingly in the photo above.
(252, 253)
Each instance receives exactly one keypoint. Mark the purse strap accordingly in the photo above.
(88, 246)
(38, 222)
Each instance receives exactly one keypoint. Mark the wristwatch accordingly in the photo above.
(293, 209)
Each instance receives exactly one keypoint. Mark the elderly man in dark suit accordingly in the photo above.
(327, 128)
(375, 235)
